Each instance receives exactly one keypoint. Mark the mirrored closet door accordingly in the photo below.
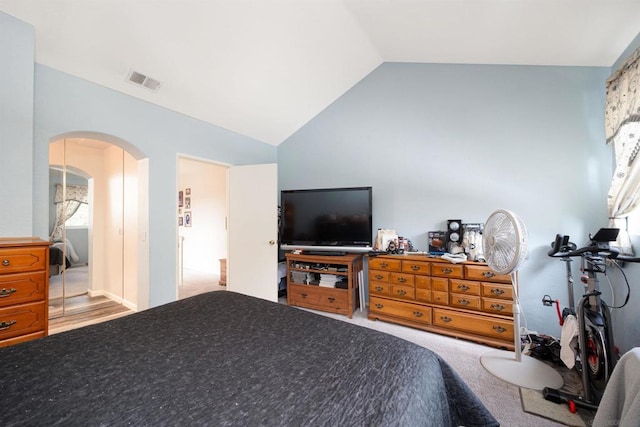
(92, 221)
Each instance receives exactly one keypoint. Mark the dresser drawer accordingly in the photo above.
(470, 302)
(413, 312)
(404, 292)
(385, 264)
(440, 284)
(379, 288)
(423, 295)
(401, 279)
(17, 260)
(495, 290)
(22, 319)
(447, 270)
(484, 273)
(22, 288)
(313, 296)
(482, 325)
(465, 287)
(423, 282)
(438, 297)
(497, 306)
(416, 267)
(379, 276)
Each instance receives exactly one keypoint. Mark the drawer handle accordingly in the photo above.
(402, 292)
(379, 288)
(379, 276)
(488, 274)
(499, 329)
(384, 265)
(498, 307)
(378, 306)
(415, 267)
(331, 299)
(464, 301)
(6, 325)
(5, 262)
(303, 295)
(6, 292)
(496, 291)
(446, 319)
(418, 313)
(447, 270)
(463, 288)
(402, 279)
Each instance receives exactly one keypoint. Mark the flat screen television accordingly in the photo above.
(328, 219)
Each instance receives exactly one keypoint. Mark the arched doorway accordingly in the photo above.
(104, 261)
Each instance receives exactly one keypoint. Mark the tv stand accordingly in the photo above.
(304, 287)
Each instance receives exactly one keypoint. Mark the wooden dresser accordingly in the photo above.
(466, 300)
(24, 289)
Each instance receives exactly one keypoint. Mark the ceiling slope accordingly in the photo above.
(264, 68)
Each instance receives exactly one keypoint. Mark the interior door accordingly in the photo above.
(252, 265)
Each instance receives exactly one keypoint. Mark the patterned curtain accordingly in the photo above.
(622, 130)
(76, 195)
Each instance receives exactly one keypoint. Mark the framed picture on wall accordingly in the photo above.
(187, 202)
(180, 197)
(180, 221)
(187, 191)
(187, 219)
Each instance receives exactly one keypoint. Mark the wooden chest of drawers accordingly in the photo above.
(24, 289)
(465, 300)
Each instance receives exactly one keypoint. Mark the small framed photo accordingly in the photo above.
(187, 191)
(180, 221)
(187, 219)
(180, 198)
(187, 202)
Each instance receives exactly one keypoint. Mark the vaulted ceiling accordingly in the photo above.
(264, 68)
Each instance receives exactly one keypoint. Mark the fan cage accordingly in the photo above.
(504, 241)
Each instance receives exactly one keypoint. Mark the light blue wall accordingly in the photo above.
(459, 141)
(16, 126)
(65, 104)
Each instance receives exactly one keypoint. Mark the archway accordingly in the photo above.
(117, 249)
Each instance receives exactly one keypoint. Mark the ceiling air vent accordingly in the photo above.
(140, 79)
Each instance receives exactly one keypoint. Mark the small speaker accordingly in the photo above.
(454, 233)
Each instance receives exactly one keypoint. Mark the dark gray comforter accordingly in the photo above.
(225, 359)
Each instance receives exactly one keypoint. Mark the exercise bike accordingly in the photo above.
(596, 355)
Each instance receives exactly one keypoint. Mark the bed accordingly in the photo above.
(227, 359)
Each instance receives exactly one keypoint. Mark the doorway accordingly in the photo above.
(202, 226)
(93, 223)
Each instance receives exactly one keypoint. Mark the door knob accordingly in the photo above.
(272, 242)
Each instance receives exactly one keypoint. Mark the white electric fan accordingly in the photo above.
(504, 242)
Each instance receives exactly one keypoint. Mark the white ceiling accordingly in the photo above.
(263, 68)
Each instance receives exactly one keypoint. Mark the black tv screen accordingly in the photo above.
(327, 219)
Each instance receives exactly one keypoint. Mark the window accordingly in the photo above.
(80, 219)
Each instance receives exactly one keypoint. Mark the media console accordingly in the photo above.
(326, 282)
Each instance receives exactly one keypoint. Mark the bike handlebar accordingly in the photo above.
(562, 248)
